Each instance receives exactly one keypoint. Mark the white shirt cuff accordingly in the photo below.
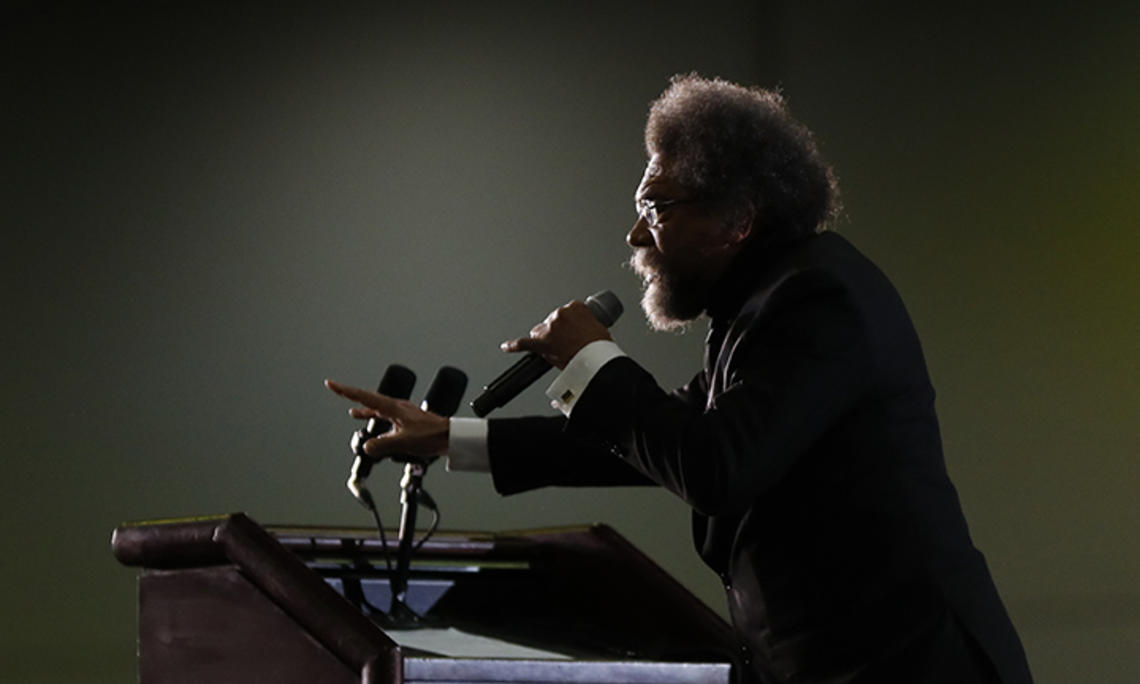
(572, 381)
(467, 446)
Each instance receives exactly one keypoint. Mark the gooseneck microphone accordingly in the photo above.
(606, 308)
(443, 399)
(397, 383)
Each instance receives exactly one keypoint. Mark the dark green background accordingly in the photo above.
(207, 210)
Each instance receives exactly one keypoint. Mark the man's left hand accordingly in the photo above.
(562, 335)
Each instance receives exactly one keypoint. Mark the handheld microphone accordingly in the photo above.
(605, 306)
(397, 382)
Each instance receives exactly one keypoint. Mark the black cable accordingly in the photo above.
(380, 527)
(431, 530)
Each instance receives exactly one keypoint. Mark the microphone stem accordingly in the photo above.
(411, 484)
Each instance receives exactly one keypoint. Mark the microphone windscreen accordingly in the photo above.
(397, 383)
(605, 306)
(446, 391)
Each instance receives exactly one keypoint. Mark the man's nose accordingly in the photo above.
(639, 235)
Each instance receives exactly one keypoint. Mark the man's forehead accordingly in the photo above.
(655, 166)
(655, 180)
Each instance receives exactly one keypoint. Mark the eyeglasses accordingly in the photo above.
(650, 210)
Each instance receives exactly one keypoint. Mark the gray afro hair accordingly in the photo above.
(741, 145)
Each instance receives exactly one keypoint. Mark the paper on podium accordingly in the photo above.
(455, 643)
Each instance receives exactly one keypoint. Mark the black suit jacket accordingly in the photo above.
(809, 450)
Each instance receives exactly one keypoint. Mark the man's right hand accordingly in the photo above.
(414, 432)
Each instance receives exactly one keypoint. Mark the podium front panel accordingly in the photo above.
(222, 599)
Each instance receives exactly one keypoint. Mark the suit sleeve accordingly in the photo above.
(797, 361)
(532, 452)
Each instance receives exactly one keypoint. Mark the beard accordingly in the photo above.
(670, 300)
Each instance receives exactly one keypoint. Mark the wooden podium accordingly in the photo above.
(222, 599)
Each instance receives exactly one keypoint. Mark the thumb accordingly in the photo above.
(425, 437)
(521, 344)
(402, 443)
(384, 445)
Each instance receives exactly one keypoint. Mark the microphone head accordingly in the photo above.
(605, 306)
(446, 391)
(397, 382)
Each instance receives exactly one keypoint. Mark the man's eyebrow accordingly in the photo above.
(648, 194)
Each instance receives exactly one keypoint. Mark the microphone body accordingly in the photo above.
(526, 371)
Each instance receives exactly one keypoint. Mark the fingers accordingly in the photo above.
(414, 432)
(428, 437)
(539, 336)
(385, 407)
(389, 444)
(347, 391)
(564, 332)
(364, 413)
(522, 344)
(381, 446)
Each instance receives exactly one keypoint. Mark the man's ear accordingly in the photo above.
(740, 228)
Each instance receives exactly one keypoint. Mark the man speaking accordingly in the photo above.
(807, 445)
